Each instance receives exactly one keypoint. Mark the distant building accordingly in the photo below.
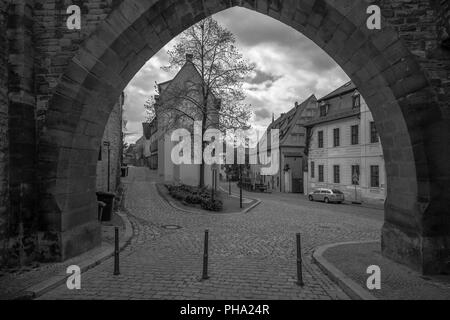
(171, 111)
(110, 153)
(147, 146)
(139, 160)
(152, 133)
(129, 157)
(292, 144)
(344, 147)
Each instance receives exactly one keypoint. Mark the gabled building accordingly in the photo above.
(292, 144)
(177, 107)
(345, 152)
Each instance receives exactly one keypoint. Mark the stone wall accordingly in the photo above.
(113, 135)
(56, 44)
(3, 121)
(420, 24)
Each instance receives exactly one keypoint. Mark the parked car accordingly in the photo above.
(327, 195)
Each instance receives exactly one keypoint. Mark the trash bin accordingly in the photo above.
(108, 199)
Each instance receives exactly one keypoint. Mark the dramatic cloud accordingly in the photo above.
(289, 68)
(262, 114)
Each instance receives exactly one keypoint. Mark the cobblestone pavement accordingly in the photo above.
(252, 256)
(398, 282)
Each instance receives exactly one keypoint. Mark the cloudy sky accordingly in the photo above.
(289, 68)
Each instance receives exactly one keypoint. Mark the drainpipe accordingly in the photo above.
(107, 144)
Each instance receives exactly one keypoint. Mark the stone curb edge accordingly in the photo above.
(350, 287)
(45, 286)
(175, 206)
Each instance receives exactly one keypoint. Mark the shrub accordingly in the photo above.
(193, 199)
(193, 196)
(216, 205)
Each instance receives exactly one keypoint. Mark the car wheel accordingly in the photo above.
(311, 198)
(326, 200)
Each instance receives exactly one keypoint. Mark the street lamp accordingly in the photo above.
(214, 180)
(240, 186)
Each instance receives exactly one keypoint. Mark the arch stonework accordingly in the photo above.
(402, 84)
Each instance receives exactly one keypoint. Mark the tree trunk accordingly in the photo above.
(202, 163)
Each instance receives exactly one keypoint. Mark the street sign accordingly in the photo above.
(355, 178)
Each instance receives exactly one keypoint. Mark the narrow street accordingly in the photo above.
(252, 256)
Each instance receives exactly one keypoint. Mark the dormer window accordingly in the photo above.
(323, 109)
(356, 100)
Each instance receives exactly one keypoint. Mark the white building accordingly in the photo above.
(177, 107)
(344, 148)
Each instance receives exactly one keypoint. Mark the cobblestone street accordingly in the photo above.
(252, 255)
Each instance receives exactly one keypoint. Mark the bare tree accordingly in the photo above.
(217, 100)
(149, 106)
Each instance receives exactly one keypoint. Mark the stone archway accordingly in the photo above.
(406, 105)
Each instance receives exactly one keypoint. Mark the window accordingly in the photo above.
(337, 174)
(373, 133)
(356, 101)
(323, 110)
(336, 137)
(374, 176)
(312, 169)
(355, 134)
(100, 154)
(320, 139)
(320, 173)
(355, 175)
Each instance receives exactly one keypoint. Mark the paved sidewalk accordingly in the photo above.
(252, 255)
(15, 285)
(397, 281)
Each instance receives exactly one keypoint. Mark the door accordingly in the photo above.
(296, 169)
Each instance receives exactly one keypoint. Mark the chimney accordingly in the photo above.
(273, 117)
(189, 57)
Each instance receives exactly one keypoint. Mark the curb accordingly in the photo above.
(45, 286)
(350, 287)
(174, 205)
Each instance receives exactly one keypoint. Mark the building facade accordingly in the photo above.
(345, 152)
(292, 144)
(177, 107)
(110, 153)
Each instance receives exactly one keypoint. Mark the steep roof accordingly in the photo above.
(347, 87)
(287, 121)
(163, 86)
(338, 104)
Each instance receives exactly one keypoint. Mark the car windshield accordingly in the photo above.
(337, 191)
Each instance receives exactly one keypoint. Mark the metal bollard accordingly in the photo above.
(116, 251)
(299, 262)
(205, 257)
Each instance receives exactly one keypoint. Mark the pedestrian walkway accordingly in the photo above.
(251, 256)
(14, 285)
(397, 281)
